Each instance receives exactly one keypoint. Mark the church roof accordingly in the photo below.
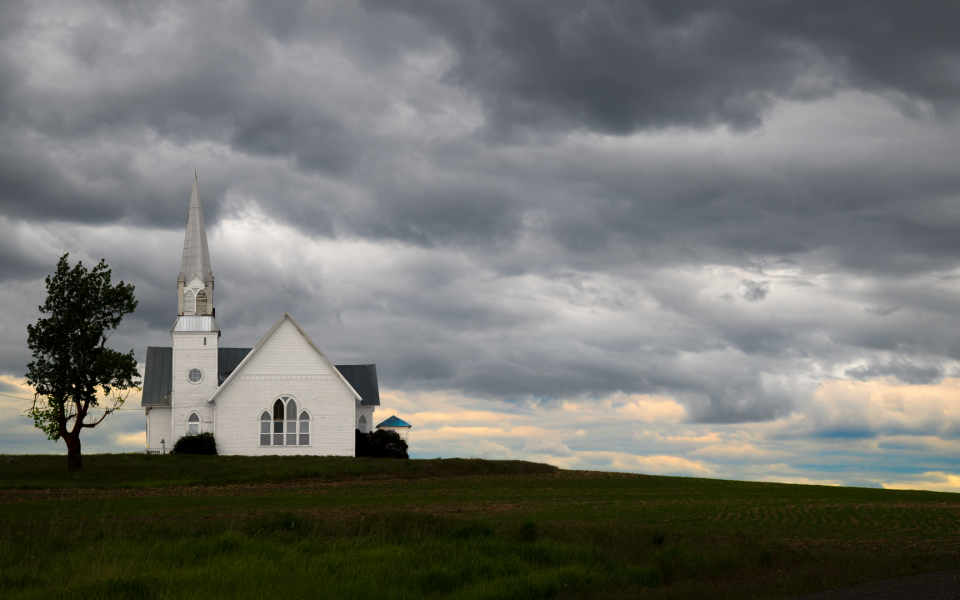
(158, 372)
(363, 378)
(158, 375)
(286, 317)
(227, 360)
(394, 421)
(196, 256)
(197, 323)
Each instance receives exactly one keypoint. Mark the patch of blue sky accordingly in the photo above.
(845, 433)
(905, 447)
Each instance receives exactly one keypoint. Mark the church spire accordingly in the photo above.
(196, 256)
(195, 284)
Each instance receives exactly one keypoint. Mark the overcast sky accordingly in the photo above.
(707, 238)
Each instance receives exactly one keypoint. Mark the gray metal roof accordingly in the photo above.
(227, 361)
(158, 375)
(196, 255)
(363, 378)
(197, 323)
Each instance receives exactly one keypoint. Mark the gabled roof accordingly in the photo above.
(196, 255)
(256, 349)
(394, 421)
(158, 375)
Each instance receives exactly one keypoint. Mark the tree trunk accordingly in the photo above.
(73, 453)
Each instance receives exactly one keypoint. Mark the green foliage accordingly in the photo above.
(382, 443)
(72, 366)
(203, 443)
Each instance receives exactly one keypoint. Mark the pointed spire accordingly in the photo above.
(196, 256)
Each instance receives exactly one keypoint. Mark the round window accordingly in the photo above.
(195, 375)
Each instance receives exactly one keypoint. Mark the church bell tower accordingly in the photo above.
(195, 332)
(195, 284)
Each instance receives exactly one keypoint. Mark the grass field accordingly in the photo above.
(119, 471)
(141, 527)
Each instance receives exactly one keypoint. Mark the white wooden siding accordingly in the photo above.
(189, 351)
(158, 428)
(366, 411)
(403, 431)
(285, 365)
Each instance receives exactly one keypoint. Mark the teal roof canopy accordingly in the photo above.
(394, 421)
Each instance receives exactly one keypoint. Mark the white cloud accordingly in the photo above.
(492, 450)
(547, 447)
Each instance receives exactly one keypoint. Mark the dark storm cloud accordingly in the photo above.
(620, 66)
(711, 201)
(907, 371)
(754, 291)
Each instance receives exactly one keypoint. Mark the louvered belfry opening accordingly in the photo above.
(202, 303)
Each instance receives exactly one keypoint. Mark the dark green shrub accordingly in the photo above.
(203, 443)
(381, 444)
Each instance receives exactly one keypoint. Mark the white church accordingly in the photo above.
(283, 396)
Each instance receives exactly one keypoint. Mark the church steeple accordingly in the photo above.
(195, 284)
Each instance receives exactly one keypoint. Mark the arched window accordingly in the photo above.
(291, 422)
(362, 424)
(193, 424)
(278, 423)
(304, 429)
(189, 303)
(285, 430)
(201, 302)
(265, 429)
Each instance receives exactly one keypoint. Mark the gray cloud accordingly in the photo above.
(905, 370)
(512, 200)
(754, 291)
(620, 66)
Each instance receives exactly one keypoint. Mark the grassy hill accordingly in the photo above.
(134, 526)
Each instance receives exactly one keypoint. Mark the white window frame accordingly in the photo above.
(309, 432)
(286, 427)
(365, 424)
(203, 376)
(198, 422)
(269, 432)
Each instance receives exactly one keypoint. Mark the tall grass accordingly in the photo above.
(398, 555)
(499, 533)
(286, 555)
